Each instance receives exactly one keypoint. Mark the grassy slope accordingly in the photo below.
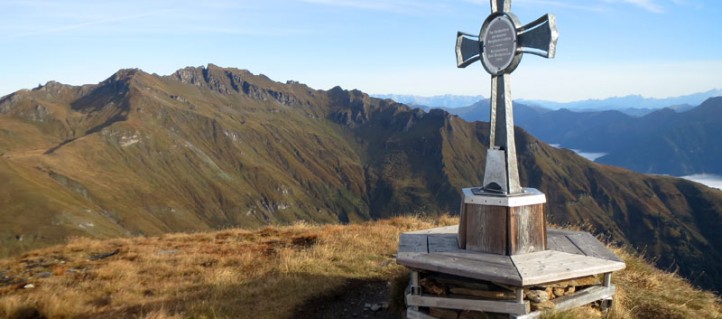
(265, 273)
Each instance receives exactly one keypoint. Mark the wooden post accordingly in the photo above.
(415, 287)
(519, 295)
(607, 279)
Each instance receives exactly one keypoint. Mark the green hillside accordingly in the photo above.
(211, 148)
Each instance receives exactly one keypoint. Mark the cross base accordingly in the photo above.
(502, 224)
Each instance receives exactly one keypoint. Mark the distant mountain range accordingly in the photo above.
(447, 100)
(210, 148)
(661, 142)
(634, 105)
(630, 102)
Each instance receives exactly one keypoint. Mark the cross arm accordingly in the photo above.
(539, 37)
(468, 49)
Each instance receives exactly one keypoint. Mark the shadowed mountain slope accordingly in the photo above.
(209, 148)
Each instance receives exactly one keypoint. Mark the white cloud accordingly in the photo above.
(76, 26)
(710, 180)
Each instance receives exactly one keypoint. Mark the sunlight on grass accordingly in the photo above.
(266, 273)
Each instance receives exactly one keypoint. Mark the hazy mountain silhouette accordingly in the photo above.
(662, 142)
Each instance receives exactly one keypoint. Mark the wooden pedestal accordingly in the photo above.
(570, 255)
(503, 225)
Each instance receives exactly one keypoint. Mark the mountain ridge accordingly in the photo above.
(210, 148)
(682, 102)
(633, 104)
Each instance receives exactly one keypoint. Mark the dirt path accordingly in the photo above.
(356, 299)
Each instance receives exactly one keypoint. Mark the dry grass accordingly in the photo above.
(265, 273)
(645, 292)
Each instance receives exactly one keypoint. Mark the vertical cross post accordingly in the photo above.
(500, 46)
(501, 157)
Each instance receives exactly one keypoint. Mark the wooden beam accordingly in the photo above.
(438, 230)
(477, 269)
(578, 299)
(550, 266)
(442, 242)
(468, 304)
(413, 243)
(584, 297)
(560, 242)
(502, 261)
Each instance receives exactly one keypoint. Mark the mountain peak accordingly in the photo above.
(219, 79)
(711, 108)
(712, 102)
(123, 75)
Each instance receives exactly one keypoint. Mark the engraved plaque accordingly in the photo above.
(499, 38)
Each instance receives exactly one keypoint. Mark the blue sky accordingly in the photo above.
(657, 48)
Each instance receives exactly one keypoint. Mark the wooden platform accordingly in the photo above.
(570, 255)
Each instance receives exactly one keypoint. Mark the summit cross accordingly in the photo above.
(500, 45)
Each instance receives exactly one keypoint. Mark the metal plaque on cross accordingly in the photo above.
(500, 45)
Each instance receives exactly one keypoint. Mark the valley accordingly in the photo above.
(664, 141)
(209, 148)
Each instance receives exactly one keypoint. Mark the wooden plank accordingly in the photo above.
(413, 243)
(569, 270)
(584, 297)
(540, 255)
(560, 242)
(486, 228)
(591, 246)
(500, 260)
(560, 232)
(438, 230)
(550, 266)
(578, 299)
(400, 257)
(442, 242)
(468, 304)
(527, 229)
(504, 274)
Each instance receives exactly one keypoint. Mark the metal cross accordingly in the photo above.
(500, 46)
